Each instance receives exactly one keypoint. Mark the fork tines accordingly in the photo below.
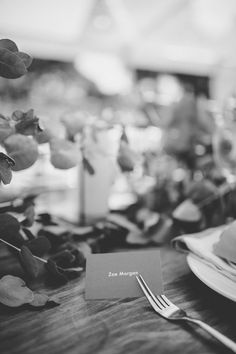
(160, 302)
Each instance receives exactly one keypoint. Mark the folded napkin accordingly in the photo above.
(200, 245)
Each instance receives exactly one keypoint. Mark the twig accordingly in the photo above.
(222, 191)
(18, 249)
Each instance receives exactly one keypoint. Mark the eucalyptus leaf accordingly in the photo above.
(14, 292)
(11, 66)
(29, 262)
(6, 165)
(64, 259)
(56, 275)
(64, 154)
(26, 123)
(88, 167)
(39, 246)
(40, 300)
(9, 229)
(26, 58)
(23, 149)
(8, 44)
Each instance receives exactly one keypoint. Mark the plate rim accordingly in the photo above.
(192, 263)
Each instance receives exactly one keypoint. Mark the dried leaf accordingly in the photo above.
(28, 262)
(124, 136)
(26, 123)
(23, 149)
(14, 292)
(6, 165)
(126, 157)
(88, 167)
(40, 300)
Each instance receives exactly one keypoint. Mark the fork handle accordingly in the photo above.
(216, 334)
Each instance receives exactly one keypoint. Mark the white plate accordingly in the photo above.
(212, 278)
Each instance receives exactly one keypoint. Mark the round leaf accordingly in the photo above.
(28, 262)
(11, 66)
(27, 59)
(39, 246)
(23, 149)
(6, 165)
(14, 292)
(8, 44)
(64, 154)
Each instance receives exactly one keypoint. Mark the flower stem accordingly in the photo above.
(19, 250)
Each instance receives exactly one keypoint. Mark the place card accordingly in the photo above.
(113, 275)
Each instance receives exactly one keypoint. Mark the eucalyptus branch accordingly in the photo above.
(223, 190)
(18, 249)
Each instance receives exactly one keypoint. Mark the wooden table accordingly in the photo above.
(122, 326)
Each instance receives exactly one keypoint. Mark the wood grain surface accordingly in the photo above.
(123, 326)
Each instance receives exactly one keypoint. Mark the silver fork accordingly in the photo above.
(169, 311)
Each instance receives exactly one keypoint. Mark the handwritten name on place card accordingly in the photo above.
(113, 275)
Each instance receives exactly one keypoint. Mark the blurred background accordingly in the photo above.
(163, 70)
